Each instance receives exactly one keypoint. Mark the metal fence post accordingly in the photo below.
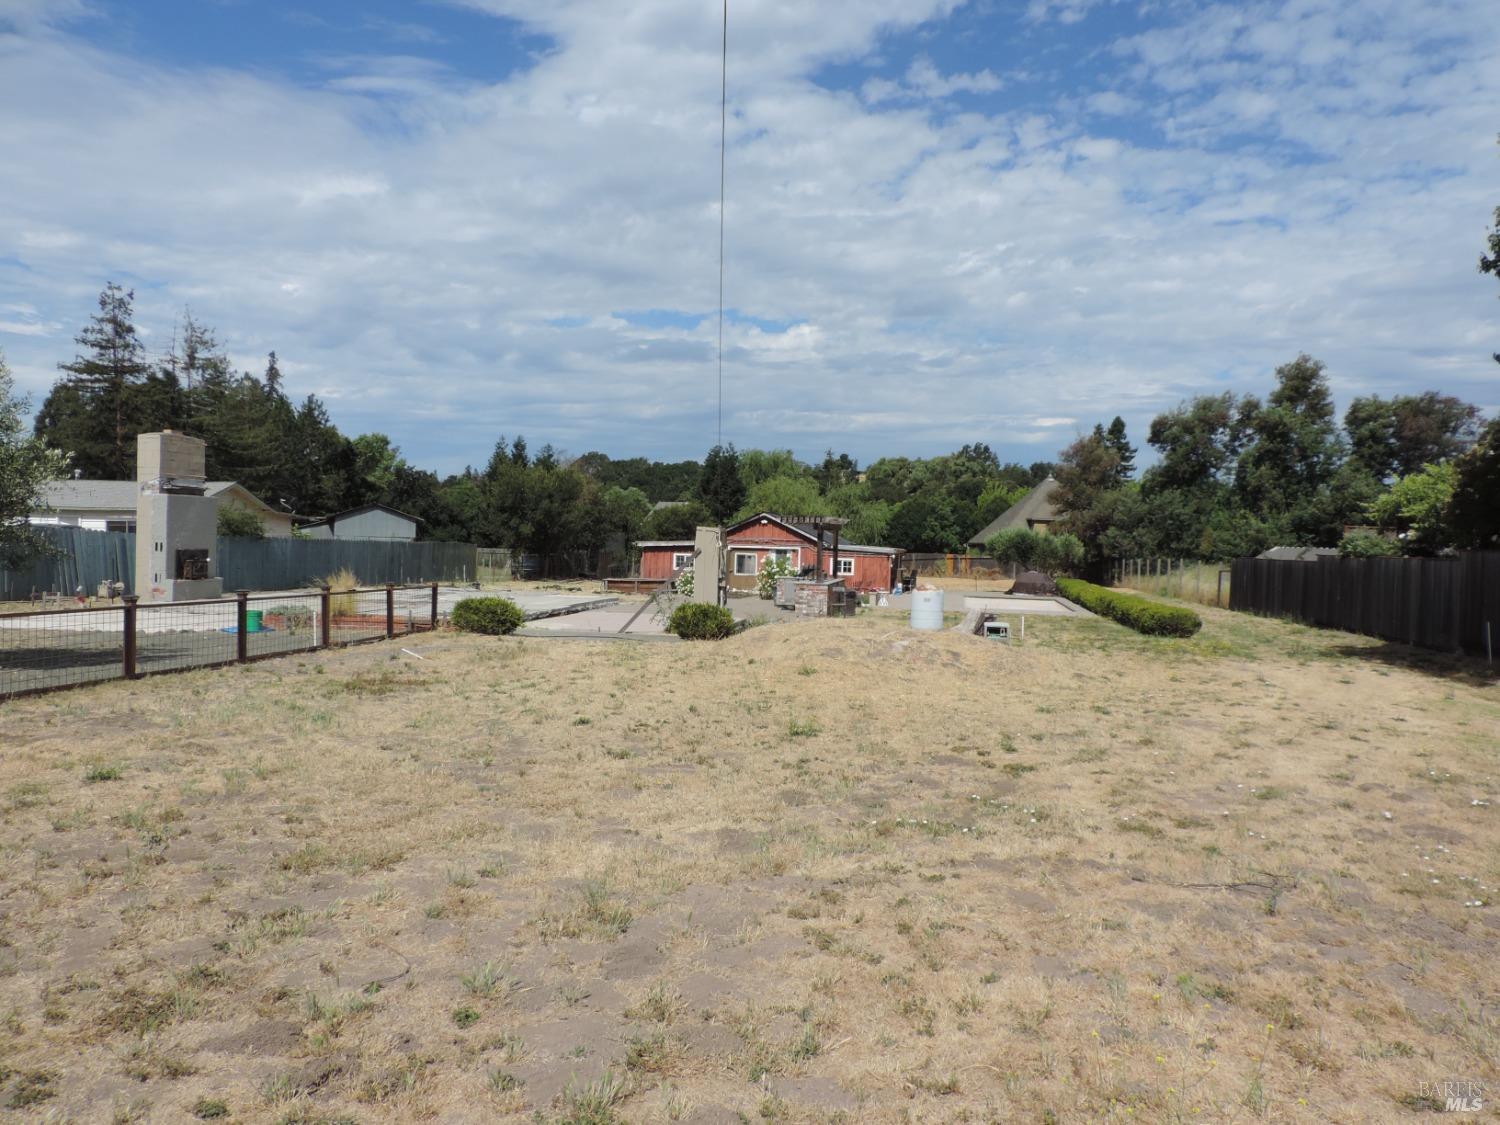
(241, 622)
(434, 606)
(390, 611)
(324, 629)
(129, 626)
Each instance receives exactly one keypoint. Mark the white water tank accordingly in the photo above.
(926, 609)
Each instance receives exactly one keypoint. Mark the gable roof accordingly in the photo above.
(762, 517)
(363, 508)
(121, 495)
(1035, 507)
(803, 533)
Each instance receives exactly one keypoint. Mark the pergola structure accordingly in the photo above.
(818, 525)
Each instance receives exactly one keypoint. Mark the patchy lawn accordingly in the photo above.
(824, 871)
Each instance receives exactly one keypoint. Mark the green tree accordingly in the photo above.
(1198, 443)
(1417, 506)
(676, 522)
(1059, 553)
(892, 479)
(925, 524)
(1363, 545)
(1115, 436)
(998, 497)
(1087, 471)
(377, 461)
(1285, 471)
(1014, 546)
(722, 488)
(836, 472)
(868, 519)
(1396, 437)
(757, 465)
(623, 512)
(26, 464)
(235, 522)
(98, 413)
(1474, 514)
(785, 496)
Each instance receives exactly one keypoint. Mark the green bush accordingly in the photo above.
(697, 621)
(1363, 545)
(1036, 550)
(1140, 614)
(493, 616)
(777, 566)
(235, 522)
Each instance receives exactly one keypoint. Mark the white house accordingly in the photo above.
(369, 521)
(110, 505)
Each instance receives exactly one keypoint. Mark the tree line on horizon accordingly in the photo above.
(1234, 474)
(1412, 474)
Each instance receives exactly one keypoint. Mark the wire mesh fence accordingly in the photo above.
(44, 651)
(1190, 580)
(68, 648)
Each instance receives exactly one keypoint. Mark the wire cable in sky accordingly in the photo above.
(723, 144)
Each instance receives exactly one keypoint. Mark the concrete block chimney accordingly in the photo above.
(176, 525)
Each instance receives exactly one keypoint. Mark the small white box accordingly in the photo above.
(997, 631)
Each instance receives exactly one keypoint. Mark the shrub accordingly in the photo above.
(1058, 553)
(235, 522)
(684, 583)
(1138, 613)
(343, 583)
(295, 617)
(697, 621)
(491, 616)
(1363, 545)
(777, 566)
(1037, 550)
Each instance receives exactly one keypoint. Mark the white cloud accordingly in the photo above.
(403, 239)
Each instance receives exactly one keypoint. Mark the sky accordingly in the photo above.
(946, 222)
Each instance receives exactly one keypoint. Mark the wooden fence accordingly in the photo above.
(953, 565)
(86, 558)
(1450, 604)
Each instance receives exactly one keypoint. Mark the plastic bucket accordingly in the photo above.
(252, 620)
(927, 609)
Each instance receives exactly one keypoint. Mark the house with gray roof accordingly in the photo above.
(1034, 511)
(109, 505)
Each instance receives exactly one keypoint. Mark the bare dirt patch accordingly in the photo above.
(823, 871)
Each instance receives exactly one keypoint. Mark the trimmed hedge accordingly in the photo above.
(1140, 614)
(492, 616)
(698, 621)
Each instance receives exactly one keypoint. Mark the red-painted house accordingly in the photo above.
(751, 542)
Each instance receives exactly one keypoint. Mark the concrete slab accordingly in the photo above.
(599, 621)
(997, 601)
(1027, 604)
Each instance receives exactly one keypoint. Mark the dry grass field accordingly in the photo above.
(825, 871)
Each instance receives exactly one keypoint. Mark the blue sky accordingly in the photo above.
(947, 221)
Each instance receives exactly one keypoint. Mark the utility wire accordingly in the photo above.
(723, 144)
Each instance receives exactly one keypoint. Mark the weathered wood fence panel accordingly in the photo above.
(86, 558)
(1449, 604)
(288, 564)
(77, 558)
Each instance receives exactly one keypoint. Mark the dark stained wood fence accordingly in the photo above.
(1444, 604)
